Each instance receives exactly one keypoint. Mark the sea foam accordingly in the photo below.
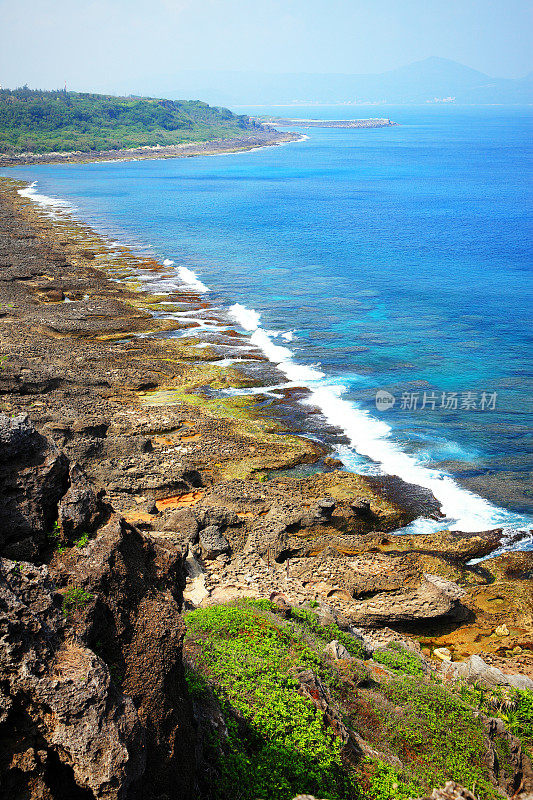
(371, 437)
(190, 278)
(44, 200)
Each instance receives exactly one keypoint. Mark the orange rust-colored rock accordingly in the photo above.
(192, 438)
(188, 499)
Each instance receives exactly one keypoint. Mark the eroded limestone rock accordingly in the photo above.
(59, 696)
(33, 479)
(135, 623)
(213, 542)
(474, 670)
(81, 507)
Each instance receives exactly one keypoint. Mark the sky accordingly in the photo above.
(110, 45)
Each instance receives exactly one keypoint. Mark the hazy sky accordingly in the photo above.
(104, 44)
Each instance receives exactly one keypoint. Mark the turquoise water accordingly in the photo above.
(392, 259)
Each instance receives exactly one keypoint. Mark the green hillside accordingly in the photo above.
(40, 121)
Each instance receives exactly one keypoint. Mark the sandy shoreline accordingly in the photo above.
(268, 138)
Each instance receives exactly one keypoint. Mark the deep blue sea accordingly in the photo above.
(393, 260)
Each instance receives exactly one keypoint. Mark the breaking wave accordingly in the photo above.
(43, 199)
(190, 278)
(371, 438)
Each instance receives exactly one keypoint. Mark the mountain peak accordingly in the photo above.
(436, 65)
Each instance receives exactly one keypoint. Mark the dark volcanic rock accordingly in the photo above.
(18, 437)
(135, 624)
(418, 501)
(183, 523)
(32, 482)
(81, 508)
(64, 726)
(213, 542)
(88, 317)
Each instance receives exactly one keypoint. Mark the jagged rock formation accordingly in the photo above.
(93, 701)
(475, 670)
(33, 478)
(64, 726)
(134, 622)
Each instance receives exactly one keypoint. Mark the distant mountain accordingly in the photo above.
(420, 82)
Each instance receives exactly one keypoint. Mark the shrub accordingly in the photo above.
(385, 783)
(75, 598)
(41, 121)
(328, 632)
(439, 736)
(519, 717)
(399, 658)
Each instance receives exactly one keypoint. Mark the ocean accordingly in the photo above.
(388, 270)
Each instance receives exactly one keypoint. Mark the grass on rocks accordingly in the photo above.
(438, 736)
(519, 718)
(398, 658)
(514, 706)
(74, 599)
(277, 743)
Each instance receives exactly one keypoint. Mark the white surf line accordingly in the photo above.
(191, 279)
(370, 437)
(53, 206)
(252, 390)
(168, 282)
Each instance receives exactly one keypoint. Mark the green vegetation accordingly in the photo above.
(60, 542)
(514, 706)
(74, 599)
(279, 744)
(283, 747)
(55, 538)
(519, 718)
(438, 736)
(196, 684)
(398, 658)
(328, 633)
(386, 783)
(41, 122)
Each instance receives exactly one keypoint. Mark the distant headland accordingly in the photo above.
(49, 127)
(328, 123)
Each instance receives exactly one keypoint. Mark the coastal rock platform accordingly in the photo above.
(138, 494)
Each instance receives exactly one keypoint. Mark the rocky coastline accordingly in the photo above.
(137, 495)
(267, 138)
